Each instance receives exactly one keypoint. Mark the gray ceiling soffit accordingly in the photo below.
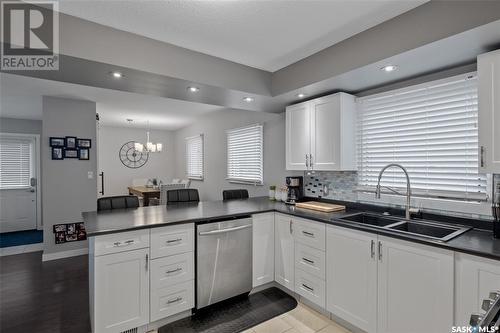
(425, 24)
(96, 74)
(99, 43)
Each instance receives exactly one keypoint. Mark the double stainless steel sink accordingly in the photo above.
(421, 228)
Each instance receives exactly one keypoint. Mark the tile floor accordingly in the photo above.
(302, 319)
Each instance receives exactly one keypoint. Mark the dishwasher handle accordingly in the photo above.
(222, 231)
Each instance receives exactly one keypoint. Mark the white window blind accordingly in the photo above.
(15, 163)
(194, 157)
(245, 154)
(431, 130)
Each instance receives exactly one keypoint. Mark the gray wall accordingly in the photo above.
(66, 190)
(213, 126)
(25, 126)
(116, 175)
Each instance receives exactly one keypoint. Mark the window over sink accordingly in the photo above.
(430, 129)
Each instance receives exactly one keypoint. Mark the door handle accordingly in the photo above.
(147, 261)
(307, 287)
(174, 270)
(307, 161)
(170, 241)
(308, 260)
(307, 233)
(380, 250)
(372, 249)
(311, 161)
(291, 226)
(102, 182)
(175, 300)
(482, 157)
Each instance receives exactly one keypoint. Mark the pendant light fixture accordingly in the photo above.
(149, 147)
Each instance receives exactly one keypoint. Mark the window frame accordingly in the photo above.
(468, 205)
(202, 157)
(242, 180)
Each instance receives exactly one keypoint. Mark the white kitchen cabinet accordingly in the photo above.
(298, 136)
(310, 287)
(351, 276)
(263, 249)
(320, 134)
(121, 291)
(475, 278)
(415, 287)
(284, 266)
(488, 69)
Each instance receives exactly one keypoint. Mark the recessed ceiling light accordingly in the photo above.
(193, 89)
(389, 68)
(117, 75)
(248, 99)
(301, 95)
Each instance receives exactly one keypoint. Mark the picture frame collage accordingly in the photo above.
(70, 147)
(69, 232)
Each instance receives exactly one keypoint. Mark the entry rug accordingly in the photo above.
(235, 315)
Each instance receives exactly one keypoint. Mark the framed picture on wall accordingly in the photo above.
(70, 142)
(57, 142)
(70, 153)
(83, 154)
(57, 153)
(84, 143)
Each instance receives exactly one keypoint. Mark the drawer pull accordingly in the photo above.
(175, 300)
(170, 241)
(308, 261)
(307, 287)
(174, 270)
(125, 243)
(307, 233)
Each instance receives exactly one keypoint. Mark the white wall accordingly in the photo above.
(213, 126)
(66, 189)
(116, 175)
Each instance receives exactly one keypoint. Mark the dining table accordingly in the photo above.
(145, 192)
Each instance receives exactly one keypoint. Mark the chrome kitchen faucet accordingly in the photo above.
(408, 187)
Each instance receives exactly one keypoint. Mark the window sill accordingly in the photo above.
(245, 182)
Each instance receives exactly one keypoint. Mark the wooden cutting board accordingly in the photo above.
(321, 206)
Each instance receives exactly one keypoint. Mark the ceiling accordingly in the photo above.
(264, 34)
(21, 97)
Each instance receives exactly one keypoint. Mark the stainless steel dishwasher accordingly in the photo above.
(224, 260)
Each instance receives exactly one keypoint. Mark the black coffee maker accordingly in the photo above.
(295, 189)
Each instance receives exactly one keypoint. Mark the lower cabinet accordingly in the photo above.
(415, 287)
(351, 276)
(310, 287)
(121, 291)
(169, 300)
(475, 278)
(263, 249)
(384, 285)
(284, 266)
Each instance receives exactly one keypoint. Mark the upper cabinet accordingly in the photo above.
(320, 134)
(488, 67)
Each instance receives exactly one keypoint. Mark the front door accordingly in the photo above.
(18, 197)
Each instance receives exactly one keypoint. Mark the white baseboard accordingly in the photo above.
(12, 250)
(64, 254)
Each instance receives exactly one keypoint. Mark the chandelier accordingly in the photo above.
(149, 147)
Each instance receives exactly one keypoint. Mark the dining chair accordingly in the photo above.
(182, 196)
(117, 202)
(234, 194)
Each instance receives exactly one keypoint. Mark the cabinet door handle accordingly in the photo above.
(291, 227)
(147, 261)
(307, 161)
(308, 261)
(174, 270)
(307, 233)
(307, 287)
(175, 300)
(125, 243)
(311, 161)
(482, 157)
(380, 250)
(170, 241)
(372, 249)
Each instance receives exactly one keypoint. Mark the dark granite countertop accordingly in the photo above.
(476, 241)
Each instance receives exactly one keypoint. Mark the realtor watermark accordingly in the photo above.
(474, 329)
(30, 35)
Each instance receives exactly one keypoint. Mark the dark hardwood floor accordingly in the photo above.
(39, 297)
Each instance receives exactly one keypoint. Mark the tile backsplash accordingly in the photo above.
(340, 185)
